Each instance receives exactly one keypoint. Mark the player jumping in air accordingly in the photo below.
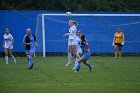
(72, 41)
(30, 43)
(8, 45)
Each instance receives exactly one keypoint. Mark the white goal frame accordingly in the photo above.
(73, 14)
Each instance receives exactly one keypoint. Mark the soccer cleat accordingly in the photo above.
(76, 71)
(29, 68)
(91, 68)
(68, 64)
(74, 68)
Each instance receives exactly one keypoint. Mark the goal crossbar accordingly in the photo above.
(92, 14)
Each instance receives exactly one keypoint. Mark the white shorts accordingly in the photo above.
(79, 50)
(72, 42)
(8, 47)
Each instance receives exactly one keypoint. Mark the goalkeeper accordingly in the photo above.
(118, 42)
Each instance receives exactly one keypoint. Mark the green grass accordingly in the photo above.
(49, 75)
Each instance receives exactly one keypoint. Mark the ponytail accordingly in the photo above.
(83, 38)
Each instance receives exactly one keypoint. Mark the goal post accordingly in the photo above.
(43, 27)
(43, 36)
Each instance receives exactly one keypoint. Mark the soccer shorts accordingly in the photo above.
(79, 50)
(86, 56)
(32, 49)
(119, 44)
(8, 47)
(72, 42)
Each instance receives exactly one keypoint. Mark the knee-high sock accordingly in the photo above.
(30, 61)
(69, 57)
(87, 64)
(28, 57)
(116, 53)
(14, 58)
(120, 54)
(77, 56)
(76, 63)
(78, 66)
(6, 59)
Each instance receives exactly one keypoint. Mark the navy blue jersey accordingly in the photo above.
(83, 46)
(27, 40)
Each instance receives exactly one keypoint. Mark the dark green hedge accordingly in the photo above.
(72, 5)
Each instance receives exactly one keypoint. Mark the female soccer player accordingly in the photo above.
(72, 41)
(118, 42)
(79, 50)
(86, 54)
(8, 45)
(30, 41)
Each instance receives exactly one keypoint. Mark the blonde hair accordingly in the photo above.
(28, 29)
(75, 23)
(7, 29)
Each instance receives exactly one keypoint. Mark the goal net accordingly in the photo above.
(98, 28)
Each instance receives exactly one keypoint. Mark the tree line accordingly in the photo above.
(72, 5)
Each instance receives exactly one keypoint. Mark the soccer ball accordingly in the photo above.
(68, 14)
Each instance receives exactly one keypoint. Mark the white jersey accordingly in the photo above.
(72, 30)
(79, 50)
(8, 40)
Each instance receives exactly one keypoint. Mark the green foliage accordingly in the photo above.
(72, 5)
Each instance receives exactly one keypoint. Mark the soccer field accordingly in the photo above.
(49, 75)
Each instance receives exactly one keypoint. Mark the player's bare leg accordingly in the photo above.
(10, 54)
(69, 55)
(76, 56)
(115, 48)
(6, 55)
(31, 60)
(120, 51)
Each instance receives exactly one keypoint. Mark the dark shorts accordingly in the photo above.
(119, 44)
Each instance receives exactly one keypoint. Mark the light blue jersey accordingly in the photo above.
(83, 47)
(86, 53)
(32, 42)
